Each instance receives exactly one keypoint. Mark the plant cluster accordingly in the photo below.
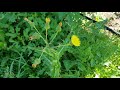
(54, 45)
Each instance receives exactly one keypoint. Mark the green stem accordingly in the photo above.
(61, 50)
(53, 37)
(42, 53)
(40, 35)
(46, 36)
(62, 45)
(32, 25)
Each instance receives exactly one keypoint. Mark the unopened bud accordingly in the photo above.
(47, 20)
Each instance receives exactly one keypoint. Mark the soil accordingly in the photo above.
(113, 17)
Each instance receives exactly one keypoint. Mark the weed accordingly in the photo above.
(56, 45)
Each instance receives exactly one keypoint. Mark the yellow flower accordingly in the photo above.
(47, 20)
(75, 40)
(60, 24)
(97, 18)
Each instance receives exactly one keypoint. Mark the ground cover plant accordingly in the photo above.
(56, 45)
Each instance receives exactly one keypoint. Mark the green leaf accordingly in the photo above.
(3, 45)
(98, 54)
(88, 50)
(25, 33)
(68, 64)
(2, 35)
(36, 36)
(71, 75)
(61, 15)
(12, 18)
(81, 67)
(92, 62)
(12, 35)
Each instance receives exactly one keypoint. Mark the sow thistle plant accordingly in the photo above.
(56, 45)
(52, 54)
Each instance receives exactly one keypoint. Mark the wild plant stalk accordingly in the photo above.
(41, 36)
(61, 45)
(32, 24)
(55, 63)
(54, 37)
(42, 53)
(46, 36)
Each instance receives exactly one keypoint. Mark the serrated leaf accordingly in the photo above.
(12, 19)
(68, 64)
(98, 54)
(81, 67)
(11, 40)
(61, 15)
(88, 50)
(92, 62)
(13, 35)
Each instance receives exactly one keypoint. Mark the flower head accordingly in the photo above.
(60, 24)
(75, 40)
(30, 22)
(31, 38)
(36, 62)
(34, 65)
(47, 20)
